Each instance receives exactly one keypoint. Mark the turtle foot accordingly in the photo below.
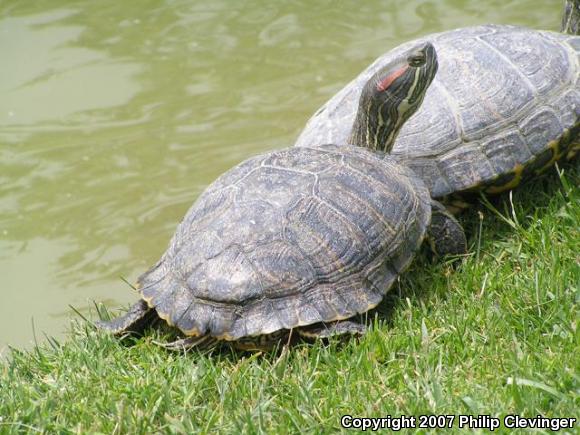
(135, 320)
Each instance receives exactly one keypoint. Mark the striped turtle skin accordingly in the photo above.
(504, 105)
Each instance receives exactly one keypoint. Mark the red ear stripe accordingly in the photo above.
(384, 84)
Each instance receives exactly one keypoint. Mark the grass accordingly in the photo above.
(496, 335)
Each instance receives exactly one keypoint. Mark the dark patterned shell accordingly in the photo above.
(501, 100)
(289, 238)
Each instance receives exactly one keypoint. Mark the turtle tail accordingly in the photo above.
(135, 320)
(571, 18)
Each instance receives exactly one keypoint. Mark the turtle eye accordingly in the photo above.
(416, 60)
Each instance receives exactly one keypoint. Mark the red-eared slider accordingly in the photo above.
(504, 105)
(301, 238)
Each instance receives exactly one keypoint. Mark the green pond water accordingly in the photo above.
(114, 116)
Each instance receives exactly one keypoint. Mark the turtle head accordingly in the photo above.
(391, 96)
(571, 18)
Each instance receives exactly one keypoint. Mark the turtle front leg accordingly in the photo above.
(446, 235)
(332, 329)
(135, 320)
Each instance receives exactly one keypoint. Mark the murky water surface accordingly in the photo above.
(114, 116)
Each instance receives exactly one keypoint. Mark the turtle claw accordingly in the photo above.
(333, 329)
(187, 343)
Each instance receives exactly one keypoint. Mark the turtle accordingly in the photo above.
(299, 239)
(504, 106)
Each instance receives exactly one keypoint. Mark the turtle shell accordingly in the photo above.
(505, 103)
(289, 238)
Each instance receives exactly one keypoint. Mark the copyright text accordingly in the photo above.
(488, 422)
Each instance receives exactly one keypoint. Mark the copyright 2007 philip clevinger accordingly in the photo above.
(510, 421)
